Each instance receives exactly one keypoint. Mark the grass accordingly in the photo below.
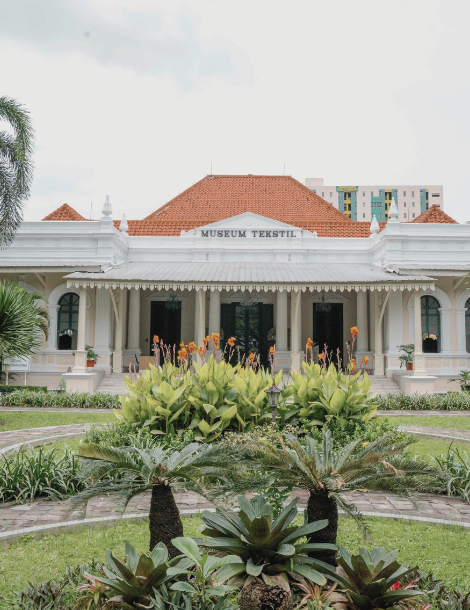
(443, 550)
(455, 423)
(427, 447)
(19, 420)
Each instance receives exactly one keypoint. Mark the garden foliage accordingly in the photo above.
(456, 464)
(451, 401)
(57, 400)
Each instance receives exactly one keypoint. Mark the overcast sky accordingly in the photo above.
(134, 99)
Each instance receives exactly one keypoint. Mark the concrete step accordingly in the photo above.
(384, 385)
(113, 384)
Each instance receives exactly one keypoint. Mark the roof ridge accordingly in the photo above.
(64, 212)
(434, 215)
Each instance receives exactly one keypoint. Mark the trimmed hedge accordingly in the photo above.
(58, 400)
(6, 389)
(452, 401)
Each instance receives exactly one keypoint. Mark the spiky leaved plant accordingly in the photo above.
(199, 468)
(16, 168)
(327, 474)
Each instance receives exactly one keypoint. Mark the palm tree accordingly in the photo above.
(21, 320)
(327, 475)
(200, 468)
(16, 168)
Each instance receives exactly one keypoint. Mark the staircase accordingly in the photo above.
(384, 385)
(113, 383)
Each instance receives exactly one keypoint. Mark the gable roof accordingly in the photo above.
(65, 212)
(435, 215)
(217, 197)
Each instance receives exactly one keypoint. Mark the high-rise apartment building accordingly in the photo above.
(362, 202)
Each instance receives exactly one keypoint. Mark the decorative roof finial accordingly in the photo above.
(107, 209)
(123, 226)
(374, 225)
(393, 212)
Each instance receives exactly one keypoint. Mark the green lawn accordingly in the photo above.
(444, 550)
(427, 447)
(19, 420)
(456, 423)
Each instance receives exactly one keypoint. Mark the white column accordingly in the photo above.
(371, 319)
(80, 352)
(119, 335)
(214, 315)
(281, 321)
(52, 339)
(133, 327)
(378, 349)
(103, 329)
(362, 345)
(200, 319)
(445, 330)
(419, 366)
(461, 336)
(394, 331)
(295, 329)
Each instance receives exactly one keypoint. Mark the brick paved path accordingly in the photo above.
(14, 439)
(447, 434)
(426, 507)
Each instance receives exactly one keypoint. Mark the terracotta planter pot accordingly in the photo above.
(409, 366)
(90, 363)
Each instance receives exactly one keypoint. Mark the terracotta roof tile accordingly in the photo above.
(435, 215)
(278, 197)
(65, 212)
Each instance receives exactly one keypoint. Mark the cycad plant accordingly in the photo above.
(327, 474)
(22, 321)
(199, 468)
(16, 168)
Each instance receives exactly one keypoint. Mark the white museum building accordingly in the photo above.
(261, 258)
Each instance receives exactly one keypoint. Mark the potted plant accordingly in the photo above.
(91, 356)
(463, 379)
(406, 359)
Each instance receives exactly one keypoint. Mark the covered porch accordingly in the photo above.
(262, 304)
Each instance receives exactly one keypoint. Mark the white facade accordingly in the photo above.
(378, 282)
(408, 197)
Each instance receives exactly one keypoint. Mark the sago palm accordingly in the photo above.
(16, 168)
(199, 468)
(327, 474)
(22, 319)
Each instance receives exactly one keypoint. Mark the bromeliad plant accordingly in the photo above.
(324, 394)
(267, 547)
(367, 579)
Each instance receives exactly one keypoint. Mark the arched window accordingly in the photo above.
(431, 325)
(467, 325)
(67, 322)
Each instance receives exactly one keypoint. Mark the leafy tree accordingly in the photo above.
(199, 468)
(327, 474)
(16, 168)
(22, 319)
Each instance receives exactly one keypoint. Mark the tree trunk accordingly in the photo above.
(320, 506)
(164, 518)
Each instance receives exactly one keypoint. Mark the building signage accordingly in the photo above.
(246, 233)
(18, 365)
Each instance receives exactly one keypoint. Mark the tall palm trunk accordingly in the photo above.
(164, 518)
(320, 506)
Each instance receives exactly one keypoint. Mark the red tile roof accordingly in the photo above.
(278, 197)
(65, 212)
(434, 214)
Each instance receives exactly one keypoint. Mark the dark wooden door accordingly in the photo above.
(250, 325)
(166, 323)
(328, 329)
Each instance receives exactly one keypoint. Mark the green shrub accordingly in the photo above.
(70, 400)
(127, 435)
(7, 389)
(457, 465)
(30, 474)
(324, 394)
(215, 398)
(452, 401)
(370, 431)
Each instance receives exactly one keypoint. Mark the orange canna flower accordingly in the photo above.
(353, 365)
(252, 357)
(365, 360)
(215, 337)
(321, 356)
(309, 343)
(206, 340)
(192, 347)
(231, 341)
(156, 339)
(182, 344)
(272, 350)
(354, 331)
(201, 351)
